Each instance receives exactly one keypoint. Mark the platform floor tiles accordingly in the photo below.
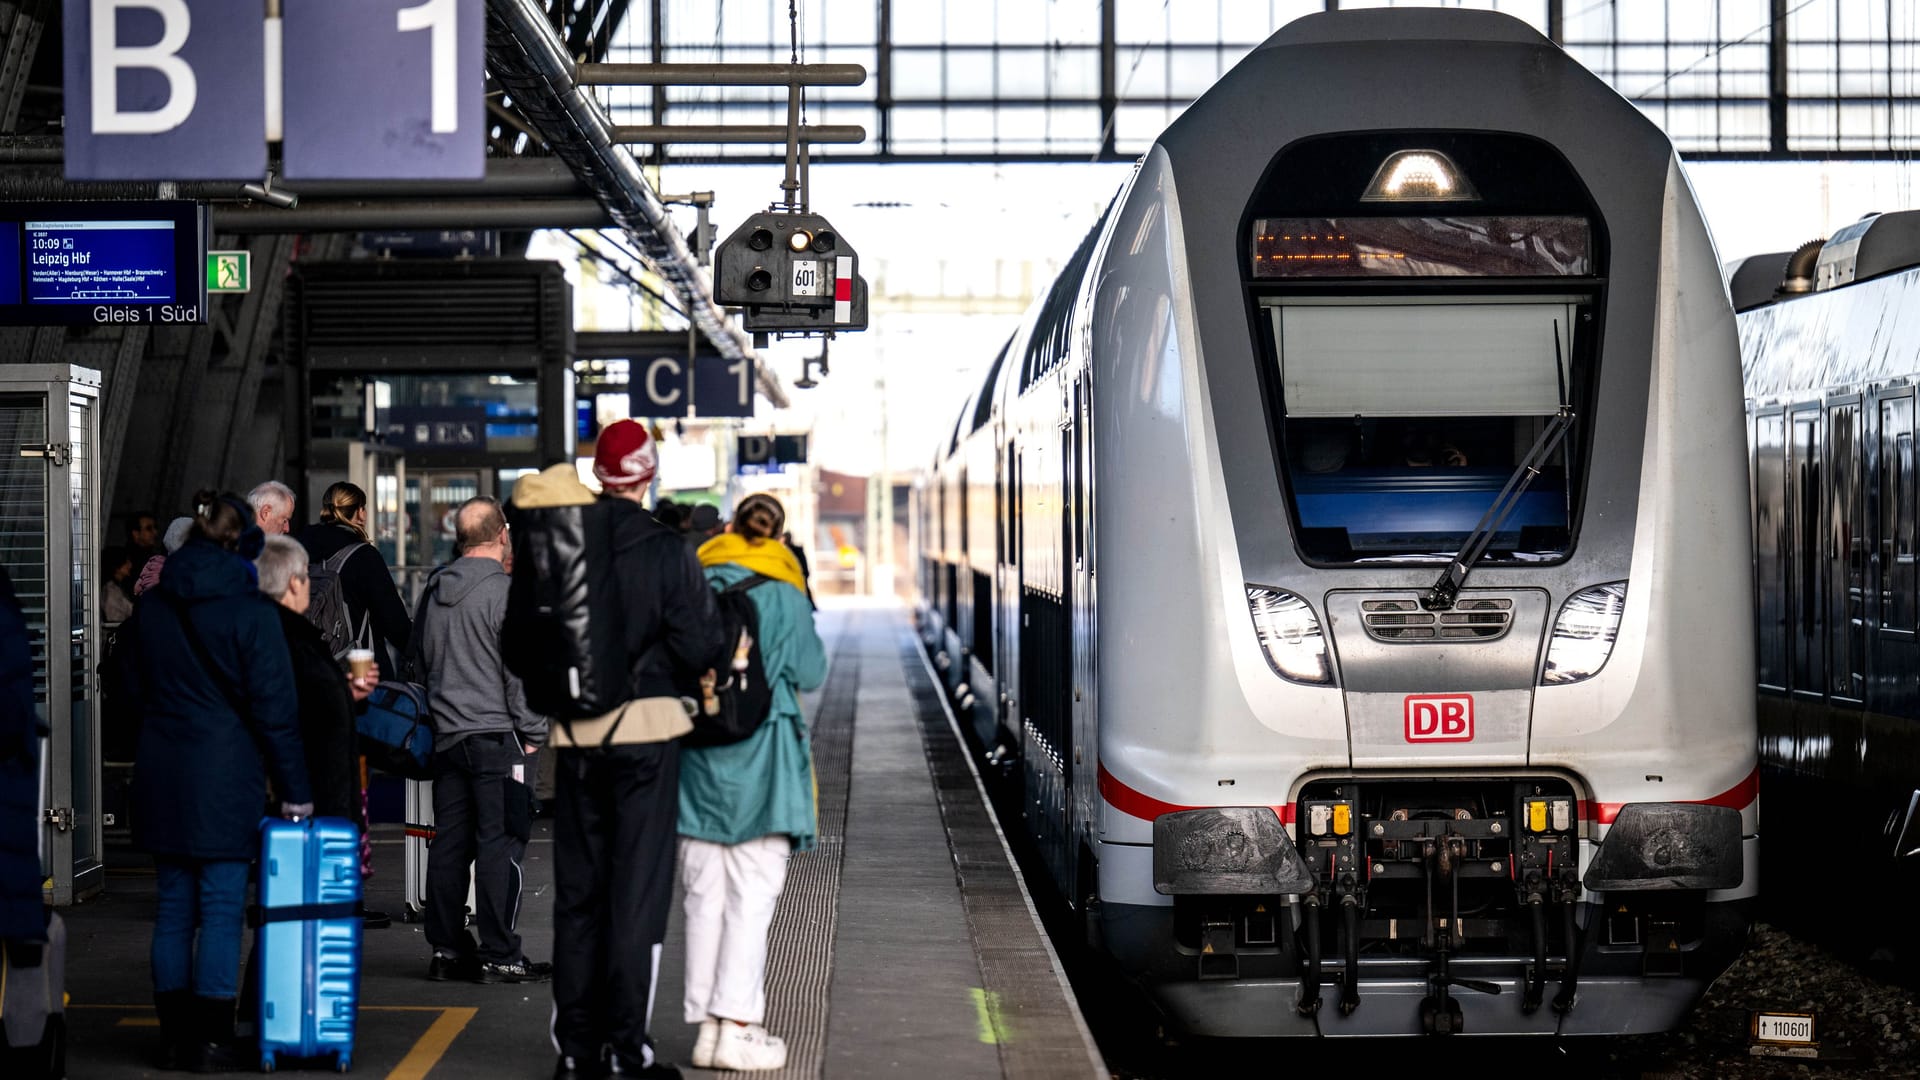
(877, 967)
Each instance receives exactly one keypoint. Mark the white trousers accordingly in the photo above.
(731, 893)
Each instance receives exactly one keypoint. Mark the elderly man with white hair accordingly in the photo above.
(272, 503)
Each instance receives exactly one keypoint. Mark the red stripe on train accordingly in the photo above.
(1146, 807)
(1738, 797)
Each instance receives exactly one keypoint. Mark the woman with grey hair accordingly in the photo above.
(326, 694)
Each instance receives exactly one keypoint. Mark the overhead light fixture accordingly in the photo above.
(800, 240)
(1419, 176)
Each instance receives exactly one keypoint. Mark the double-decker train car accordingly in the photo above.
(1830, 343)
(1346, 556)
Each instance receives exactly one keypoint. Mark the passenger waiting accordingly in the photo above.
(219, 715)
(745, 807)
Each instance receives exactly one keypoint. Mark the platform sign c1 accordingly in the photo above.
(385, 89)
(719, 387)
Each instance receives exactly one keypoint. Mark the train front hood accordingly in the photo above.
(1425, 689)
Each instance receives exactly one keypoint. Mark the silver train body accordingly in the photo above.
(1178, 558)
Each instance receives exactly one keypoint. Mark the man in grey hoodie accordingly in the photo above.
(484, 736)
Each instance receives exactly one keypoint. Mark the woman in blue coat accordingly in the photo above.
(746, 806)
(218, 718)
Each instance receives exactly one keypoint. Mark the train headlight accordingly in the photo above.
(1290, 635)
(1583, 635)
(1419, 176)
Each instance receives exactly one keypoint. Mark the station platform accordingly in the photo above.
(904, 945)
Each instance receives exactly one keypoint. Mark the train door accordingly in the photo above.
(1772, 553)
(1006, 585)
(1079, 770)
(1806, 622)
(1846, 555)
(1894, 650)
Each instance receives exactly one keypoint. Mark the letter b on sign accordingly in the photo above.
(1438, 717)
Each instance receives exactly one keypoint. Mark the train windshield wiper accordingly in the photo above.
(1445, 591)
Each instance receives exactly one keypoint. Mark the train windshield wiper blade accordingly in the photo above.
(1443, 593)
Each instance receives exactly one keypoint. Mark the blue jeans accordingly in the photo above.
(210, 897)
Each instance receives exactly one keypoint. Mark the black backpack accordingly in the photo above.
(565, 632)
(745, 695)
(327, 608)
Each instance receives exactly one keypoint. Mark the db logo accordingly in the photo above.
(1439, 717)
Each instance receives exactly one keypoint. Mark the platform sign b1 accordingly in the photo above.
(165, 89)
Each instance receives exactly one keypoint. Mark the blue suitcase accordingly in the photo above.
(308, 942)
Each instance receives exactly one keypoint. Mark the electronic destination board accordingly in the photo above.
(81, 263)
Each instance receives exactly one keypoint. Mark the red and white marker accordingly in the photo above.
(843, 289)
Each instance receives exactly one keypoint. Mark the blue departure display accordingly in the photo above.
(100, 262)
(64, 263)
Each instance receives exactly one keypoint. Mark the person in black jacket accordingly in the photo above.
(617, 783)
(365, 582)
(219, 716)
(327, 696)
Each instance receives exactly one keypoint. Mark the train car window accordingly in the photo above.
(1770, 545)
(1405, 416)
(1806, 633)
(983, 406)
(1846, 555)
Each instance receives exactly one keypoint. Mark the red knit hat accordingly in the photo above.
(625, 456)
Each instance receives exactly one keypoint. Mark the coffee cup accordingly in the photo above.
(360, 662)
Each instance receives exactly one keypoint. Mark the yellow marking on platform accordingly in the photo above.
(993, 1026)
(425, 1054)
(433, 1045)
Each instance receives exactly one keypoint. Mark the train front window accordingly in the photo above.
(1406, 415)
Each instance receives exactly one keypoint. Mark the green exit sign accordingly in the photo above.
(229, 271)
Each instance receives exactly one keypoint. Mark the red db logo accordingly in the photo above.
(1439, 717)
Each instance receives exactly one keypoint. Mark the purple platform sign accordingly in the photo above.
(385, 89)
(165, 89)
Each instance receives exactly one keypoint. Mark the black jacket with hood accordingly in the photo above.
(608, 605)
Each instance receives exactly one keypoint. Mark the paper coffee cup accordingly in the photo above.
(359, 662)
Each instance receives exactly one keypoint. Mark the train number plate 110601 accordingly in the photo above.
(1783, 1029)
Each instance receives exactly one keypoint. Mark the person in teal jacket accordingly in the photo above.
(745, 807)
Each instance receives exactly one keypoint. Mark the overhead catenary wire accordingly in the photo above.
(600, 257)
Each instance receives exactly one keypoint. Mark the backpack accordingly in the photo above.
(744, 694)
(327, 610)
(396, 734)
(565, 632)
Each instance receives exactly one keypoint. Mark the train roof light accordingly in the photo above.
(1419, 176)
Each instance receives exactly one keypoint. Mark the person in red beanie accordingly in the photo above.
(617, 774)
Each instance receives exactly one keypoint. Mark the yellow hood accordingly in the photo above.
(556, 485)
(770, 558)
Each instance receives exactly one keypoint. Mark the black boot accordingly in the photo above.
(214, 1049)
(177, 1028)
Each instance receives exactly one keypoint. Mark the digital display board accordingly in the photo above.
(79, 263)
(1370, 247)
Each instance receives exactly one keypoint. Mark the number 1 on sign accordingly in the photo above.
(442, 19)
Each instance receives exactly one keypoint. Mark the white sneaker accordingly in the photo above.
(703, 1046)
(748, 1049)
